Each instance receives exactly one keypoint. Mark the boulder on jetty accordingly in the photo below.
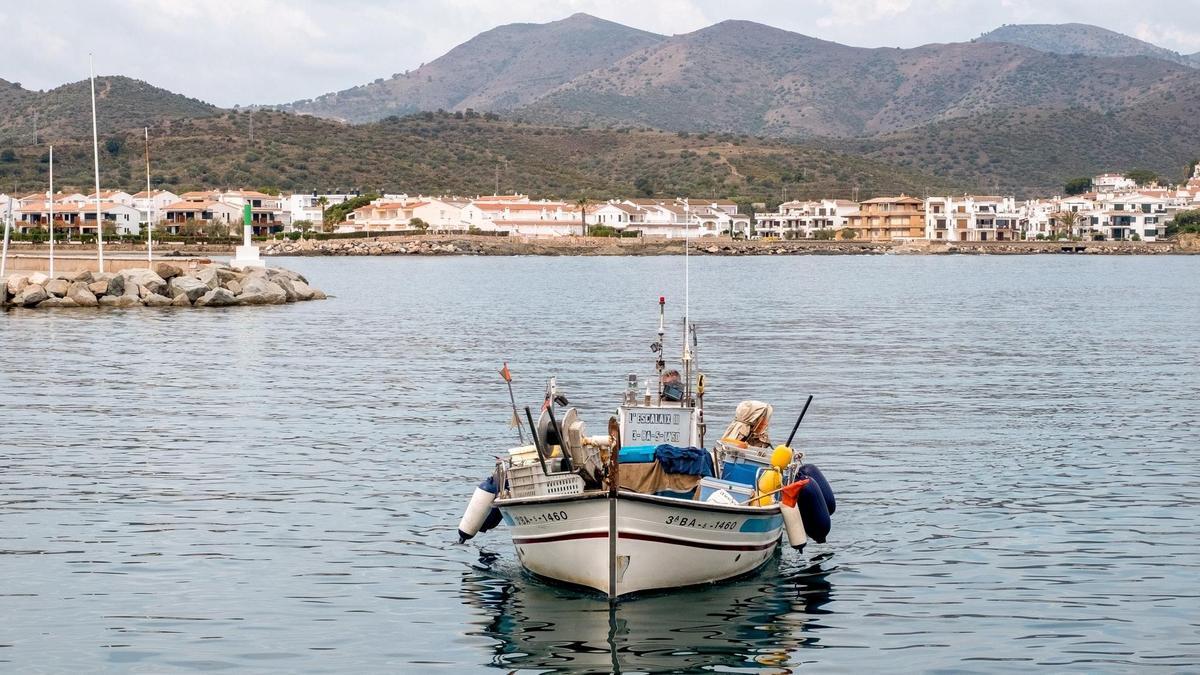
(167, 285)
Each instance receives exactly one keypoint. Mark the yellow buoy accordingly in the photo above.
(781, 457)
(768, 482)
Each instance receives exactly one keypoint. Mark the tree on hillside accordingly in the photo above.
(644, 186)
(1077, 186)
(1142, 176)
(1191, 170)
(582, 204)
(1065, 222)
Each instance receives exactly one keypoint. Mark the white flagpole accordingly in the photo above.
(4, 254)
(149, 206)
(51, 211)
(96, 166)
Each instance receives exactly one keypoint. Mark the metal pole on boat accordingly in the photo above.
(537, 443)
(614, 485)
(562, 442)
(798, 420)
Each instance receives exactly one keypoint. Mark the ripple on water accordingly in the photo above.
(1013, 441)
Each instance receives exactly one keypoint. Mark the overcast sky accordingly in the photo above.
(275, 51)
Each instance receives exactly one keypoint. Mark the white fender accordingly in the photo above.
(477, 511)
(794, 524)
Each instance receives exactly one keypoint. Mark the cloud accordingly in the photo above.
(1171, 36)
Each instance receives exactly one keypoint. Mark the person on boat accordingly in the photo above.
(672, 386)
(749, 424)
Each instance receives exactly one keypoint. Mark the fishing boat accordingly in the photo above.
(645, 506)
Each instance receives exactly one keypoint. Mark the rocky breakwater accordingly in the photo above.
(166, 285)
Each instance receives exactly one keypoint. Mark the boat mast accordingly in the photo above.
(96, 167)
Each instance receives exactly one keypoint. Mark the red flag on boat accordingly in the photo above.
(790, 492)
(505, 374)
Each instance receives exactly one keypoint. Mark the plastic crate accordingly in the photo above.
(741, 465)
(530, 481)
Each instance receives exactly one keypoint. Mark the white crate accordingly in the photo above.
(529, 481)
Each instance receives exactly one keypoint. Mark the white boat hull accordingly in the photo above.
(660, 542)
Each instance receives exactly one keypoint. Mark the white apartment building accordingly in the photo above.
(802, 219)
(973, 218)
(1112, 182)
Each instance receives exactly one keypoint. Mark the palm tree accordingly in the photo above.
(1067, 221)
(582, 203)
(322, 201)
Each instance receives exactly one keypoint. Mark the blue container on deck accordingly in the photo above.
(736, 490)
(637, 454)
(742, 465)
(744, 472)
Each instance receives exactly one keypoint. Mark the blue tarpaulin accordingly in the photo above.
(688, 461)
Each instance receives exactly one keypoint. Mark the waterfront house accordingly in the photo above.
(889, 219)
(803, 219)
(201, 213)
(618, 215)
(72, 217)
(520, 216)
(973, 218)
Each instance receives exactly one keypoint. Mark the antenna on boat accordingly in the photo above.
(687, 299)
(657, 347)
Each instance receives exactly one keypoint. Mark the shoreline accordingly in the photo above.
(480, 245)
(477, 245)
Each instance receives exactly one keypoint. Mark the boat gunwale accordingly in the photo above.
(742, 509)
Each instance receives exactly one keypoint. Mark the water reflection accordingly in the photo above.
(752, 625)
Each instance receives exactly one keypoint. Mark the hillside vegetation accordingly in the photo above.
(433, 153)
(66, 112)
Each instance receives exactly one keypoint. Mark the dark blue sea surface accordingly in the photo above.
(1014, 441)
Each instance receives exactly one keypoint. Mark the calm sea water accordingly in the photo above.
(1014, 442)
